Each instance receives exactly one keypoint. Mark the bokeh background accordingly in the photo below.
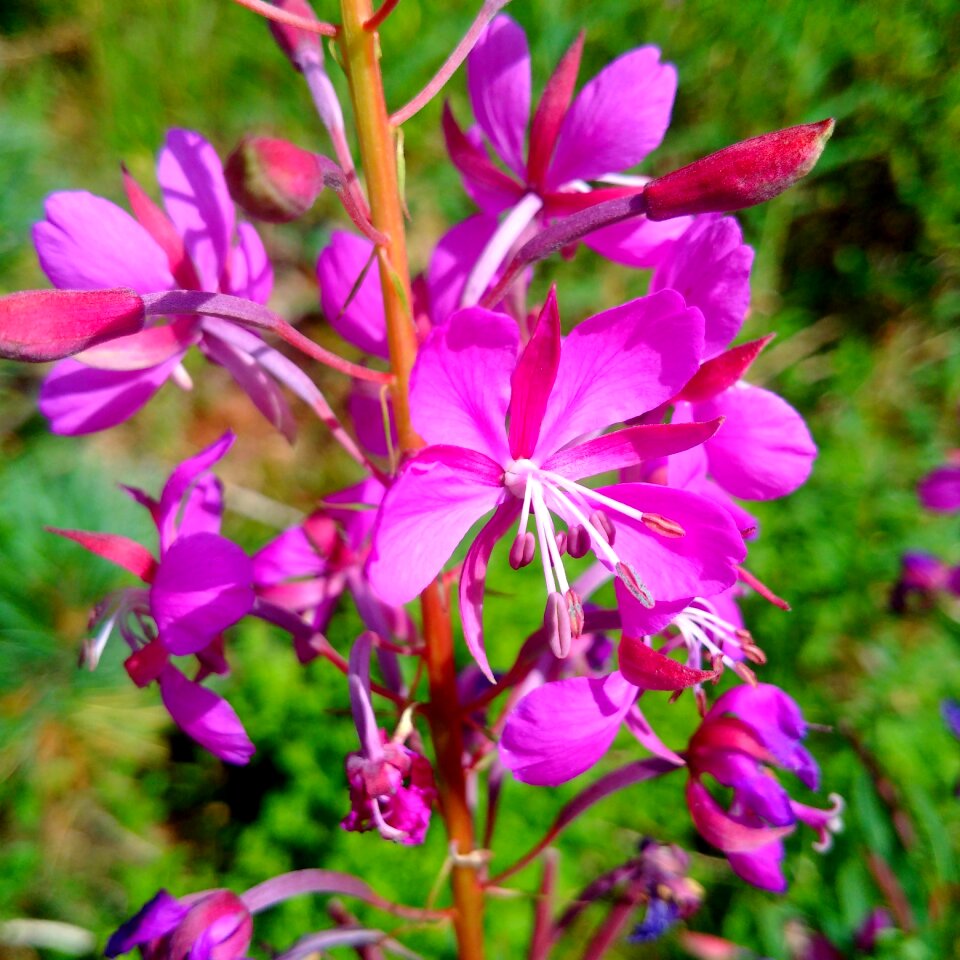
(102, 802)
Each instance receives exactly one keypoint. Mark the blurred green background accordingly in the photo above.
(101, 802)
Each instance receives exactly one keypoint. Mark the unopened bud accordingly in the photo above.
(40, 325)
(663, 526)
(740, 175)
(296, 42)
(272, 179)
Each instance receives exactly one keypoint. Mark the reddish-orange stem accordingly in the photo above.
(270, 12)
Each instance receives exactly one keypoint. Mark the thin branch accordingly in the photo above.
(487, 12)
(271, 12)
(386, 8)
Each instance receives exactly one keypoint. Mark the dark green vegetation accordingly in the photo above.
(857, 271)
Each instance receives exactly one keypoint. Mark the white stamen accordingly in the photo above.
(543, 536)
(600, 543)
(548, 540)
(590, 494)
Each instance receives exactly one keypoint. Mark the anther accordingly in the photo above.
(753, 653)
(578, 541)
(522, 550)
(575, 612)
(745, 673)
(663, 525)
(604, 525)
(637, 590)
(561, 537)
(556, 621)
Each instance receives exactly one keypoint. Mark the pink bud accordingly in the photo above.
(273, 180)
(296, 42)
(39, 325)
(740, 175)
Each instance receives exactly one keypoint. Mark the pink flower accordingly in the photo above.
(613, 366)
(88, 243)
(200, 584)
(748, 730)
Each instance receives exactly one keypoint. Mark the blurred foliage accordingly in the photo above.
(857, 271)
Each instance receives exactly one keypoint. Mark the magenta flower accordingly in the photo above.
(200, 585)
(613, 366)
(213, 925)
(747, 731)
(391, 786)
(616, 120)
(88, 243)
(940, 489)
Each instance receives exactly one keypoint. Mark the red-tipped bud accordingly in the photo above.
(273, 180)
(40, 325)
(740, 175)
(296, 42)
(663, 525)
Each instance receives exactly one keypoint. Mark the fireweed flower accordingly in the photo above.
(659, 542)
(200, 584)
(86, 243)
(616, 120)
(746, 732)
(213, 925)
(391, 787)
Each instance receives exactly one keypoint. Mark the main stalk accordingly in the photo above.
(379, 163)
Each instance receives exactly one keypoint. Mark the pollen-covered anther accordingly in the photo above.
(578, 541)
(556, 623)
(745, 673)
(630, 580)
(752, 652)
(522, 550)
(663, 525)
(575, 611)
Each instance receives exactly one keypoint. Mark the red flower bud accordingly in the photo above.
(295, 42)
(39, 325)
(273, 180)
(740, 175)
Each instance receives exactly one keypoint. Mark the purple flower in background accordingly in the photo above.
(747, 731)
(200, 584)
(391, 787)
(610, 126)
(660, 543)
(213, 925)
(940, 489)
(86, 243)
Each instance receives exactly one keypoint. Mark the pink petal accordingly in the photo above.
(700, 563)
(533, 379)
(432, 504)
(561, 729)
(637, 724)
(620, 364)
(649, 669)
(179, 483)
(723, 371)
(473, 578)
(78, 399)
(289, 555)
(202, 586)
(362, 321)
(616, 119)
(716, 826)
(250, 272)
(638, 242)
(123, 552)
(148, 348)
(452, 260)
(255, 383)
(365, 407)
(761, 867)
(88, 243)
(764, 449)
(710, 267)
(202, 508)
(205, 717)
(940, 489)
(498, 78)
(628, 447)
(198, 202)
(460, 385)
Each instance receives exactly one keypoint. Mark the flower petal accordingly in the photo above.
(620, 364)
(498, 79)
(203, 585)
(460, 385)
(764, 449)
(761, 867)
(710, 267)
(473, 579)
(432, 504)
(561, 729)
(78, 399)
(205, 717)
(716, 826)
(339, 267)
(452, 260)
(122, 551)
(88, 243)
(250, 273)
(940, 489)
(637, 242)
(649, 669)
(196, 198)
(155, 919)
(617, 118)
